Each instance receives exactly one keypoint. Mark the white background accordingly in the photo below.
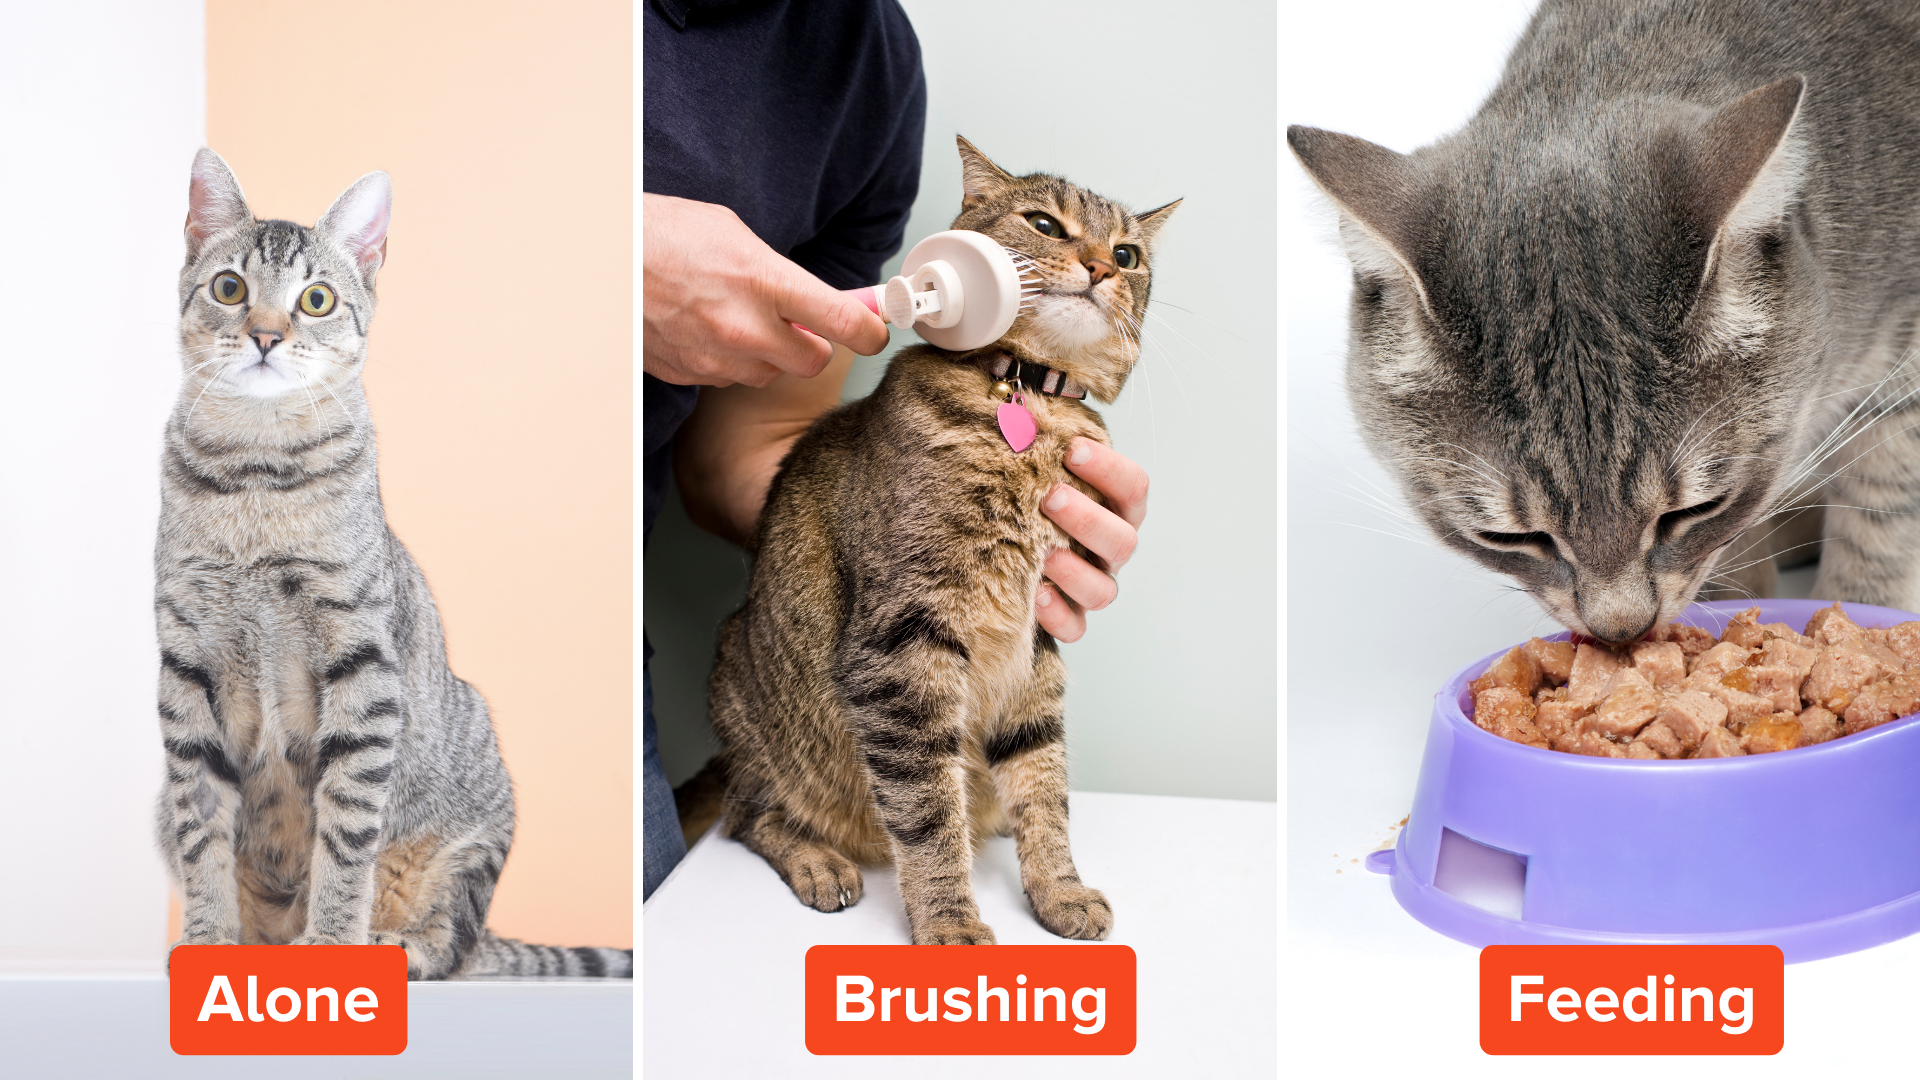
(1372, 991)
(101, 108)
(1173, 688)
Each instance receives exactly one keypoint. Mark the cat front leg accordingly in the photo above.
(1027, 758)
(362, 715)
(200, 803)
(905, 714)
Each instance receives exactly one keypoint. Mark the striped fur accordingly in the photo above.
(885, 695)
(1664, 286)
(329, 779)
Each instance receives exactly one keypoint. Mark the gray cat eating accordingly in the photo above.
(1660, 293)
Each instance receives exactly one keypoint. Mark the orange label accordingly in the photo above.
(1632, 999)
(288, 999)
(1001, 999)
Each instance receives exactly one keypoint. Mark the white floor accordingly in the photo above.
(116, 1029)
(1192, 886)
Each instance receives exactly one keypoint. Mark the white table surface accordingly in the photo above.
(115, 1028)
(1192, 883)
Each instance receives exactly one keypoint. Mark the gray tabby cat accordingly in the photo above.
(1665, 283)
(329, 780)
(884, 695)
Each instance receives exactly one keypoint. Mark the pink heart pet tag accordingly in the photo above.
(1016, 425)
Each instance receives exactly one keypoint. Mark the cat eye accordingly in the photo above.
(1045, 225)
(316, 300)
(1671, 521)
(1536, 543)
(228, 287)
(1126, 257)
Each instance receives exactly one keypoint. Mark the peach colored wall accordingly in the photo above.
(500, 369)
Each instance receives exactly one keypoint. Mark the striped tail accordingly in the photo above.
(498, 956)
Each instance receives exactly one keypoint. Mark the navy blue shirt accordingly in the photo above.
(805, 118)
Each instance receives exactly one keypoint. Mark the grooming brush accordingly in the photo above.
(957, 289)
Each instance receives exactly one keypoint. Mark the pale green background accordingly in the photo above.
(1173, 687)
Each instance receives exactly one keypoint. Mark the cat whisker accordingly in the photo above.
(1154, 300)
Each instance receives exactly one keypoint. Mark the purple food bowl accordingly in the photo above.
(1815, 850)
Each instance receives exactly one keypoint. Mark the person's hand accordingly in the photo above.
(720, 304)
(1073, 586)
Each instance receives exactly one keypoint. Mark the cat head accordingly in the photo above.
(1585, 344)
(271, 308)
(1091, 260)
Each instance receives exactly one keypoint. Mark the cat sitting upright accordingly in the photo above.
(884, 695)
(329, 779)
(1664, 284)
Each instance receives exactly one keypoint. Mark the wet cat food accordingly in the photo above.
(1682, 693)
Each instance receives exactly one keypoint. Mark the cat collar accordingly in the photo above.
(1035, 377)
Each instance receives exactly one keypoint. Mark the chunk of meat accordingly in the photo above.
(1554, 657)
(1638, 749)
(1786, 633)
(1741, 705)
(1904, 640)
(1557, 718)
(1517, 670)
(1781, 731)
(1881, 702)
(1660, 739)
(1779, 686)
(1744, 630)
(1594, 670)
(1693, 640)
(1830, 626)
(1837, 675)
(1586, 742)
(1721, 659)
(1629, 708)
(1782, 652)
(1719, 743)
(1662, 662)
(1507, 713)
(1819, 725)
(1689, 716)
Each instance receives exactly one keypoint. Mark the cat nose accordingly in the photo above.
(1617, 612)
(1099, 270)
(266, 339)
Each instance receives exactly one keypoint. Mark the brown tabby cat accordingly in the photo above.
(884, 694)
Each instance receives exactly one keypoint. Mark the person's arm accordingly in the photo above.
(726, 453)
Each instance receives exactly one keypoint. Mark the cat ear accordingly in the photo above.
(1149, 223)
(1377, 192)
(1743, 173)
(214, 201)
(979, 177)
(358, 219)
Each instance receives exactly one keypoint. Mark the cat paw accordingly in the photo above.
(316, 939)
(954, 932)
(416, 959)
(1075, 911)
(823, 879)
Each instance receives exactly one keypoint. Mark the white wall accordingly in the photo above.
(1356, 567)
(101, 108)
(1173, 687)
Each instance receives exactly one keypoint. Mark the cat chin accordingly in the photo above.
(264, 381)
(1068, 324)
